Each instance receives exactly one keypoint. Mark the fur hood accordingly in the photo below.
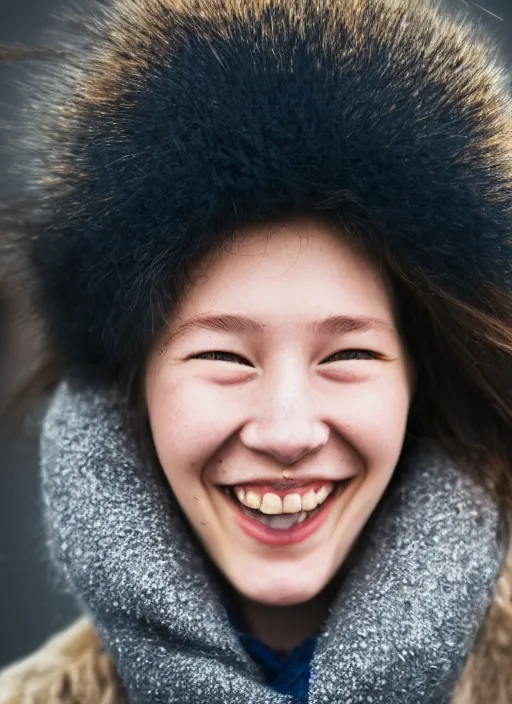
(73, 668)
(164, 124)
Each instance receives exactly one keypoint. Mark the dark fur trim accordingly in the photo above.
(175, 120)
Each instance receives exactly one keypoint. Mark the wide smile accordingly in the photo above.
(276, 527)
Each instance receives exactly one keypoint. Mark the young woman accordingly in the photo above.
(269, 243)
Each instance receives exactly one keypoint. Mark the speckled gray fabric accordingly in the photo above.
(402, 628)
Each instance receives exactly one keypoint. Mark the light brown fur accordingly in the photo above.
(70, 668)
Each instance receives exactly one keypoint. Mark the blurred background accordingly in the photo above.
(32, 607)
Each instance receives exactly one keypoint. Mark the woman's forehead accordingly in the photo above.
(306, 268)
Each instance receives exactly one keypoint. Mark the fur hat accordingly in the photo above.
(165, 123)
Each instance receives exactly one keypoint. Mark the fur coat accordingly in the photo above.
(73, 668)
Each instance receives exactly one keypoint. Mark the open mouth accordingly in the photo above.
(277, 516)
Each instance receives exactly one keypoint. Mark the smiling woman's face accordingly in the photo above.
(278, 403)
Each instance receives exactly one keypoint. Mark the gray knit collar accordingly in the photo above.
(401, 630)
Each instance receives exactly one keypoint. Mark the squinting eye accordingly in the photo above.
(219, 356)
(344, 355)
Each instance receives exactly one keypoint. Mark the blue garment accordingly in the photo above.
(287, 674)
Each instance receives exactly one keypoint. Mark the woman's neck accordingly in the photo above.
(282, 628)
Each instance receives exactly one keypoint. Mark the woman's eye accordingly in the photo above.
(343, 355)
(219, 356)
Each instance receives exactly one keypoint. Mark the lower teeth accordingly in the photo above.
(282, 521)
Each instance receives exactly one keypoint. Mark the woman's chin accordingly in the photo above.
(281, 586)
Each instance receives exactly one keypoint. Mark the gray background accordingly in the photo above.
(31, 607)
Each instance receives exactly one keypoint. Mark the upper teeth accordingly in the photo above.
(272, 504)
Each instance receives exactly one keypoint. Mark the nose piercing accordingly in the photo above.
(288, 473)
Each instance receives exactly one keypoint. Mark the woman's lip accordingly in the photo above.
(286, 484)
(281, 538)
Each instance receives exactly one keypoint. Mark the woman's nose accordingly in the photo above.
(288, 428)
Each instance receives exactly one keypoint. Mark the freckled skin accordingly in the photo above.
(283, 400)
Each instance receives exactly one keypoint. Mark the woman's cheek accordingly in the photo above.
(191, 419)
(373, 417)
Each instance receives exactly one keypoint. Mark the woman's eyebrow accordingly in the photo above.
(218, 323)
(341, 324)
(337, 324)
